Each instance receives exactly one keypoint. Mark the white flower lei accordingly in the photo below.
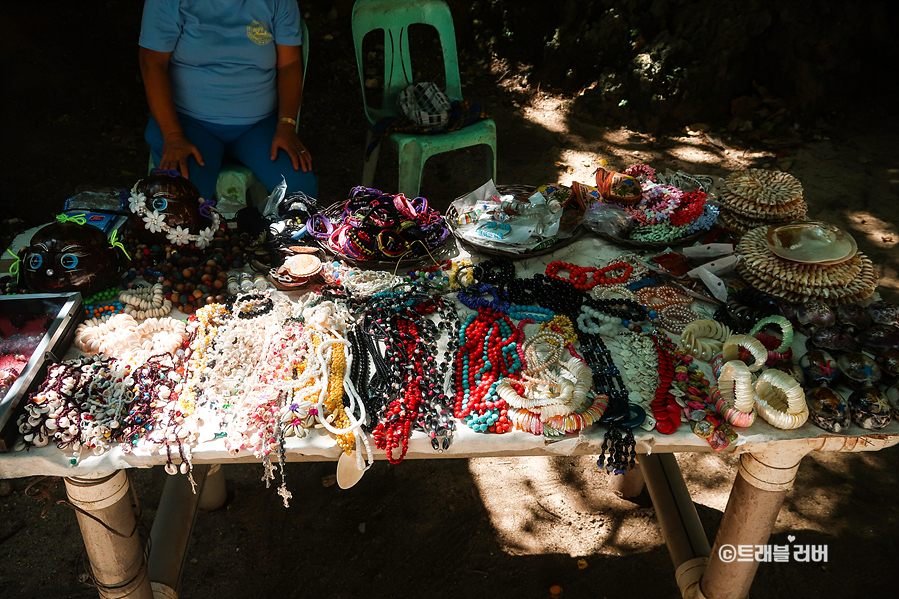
(155, 222)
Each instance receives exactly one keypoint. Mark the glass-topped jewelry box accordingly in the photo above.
(35, 331)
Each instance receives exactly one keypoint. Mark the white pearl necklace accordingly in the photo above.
(366, 283)
(122, 337)
(609, 327)
(146, 302)
(552, 387)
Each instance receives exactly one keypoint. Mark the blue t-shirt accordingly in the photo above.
(223, 63)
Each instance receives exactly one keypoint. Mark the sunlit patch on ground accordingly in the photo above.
(560, 505)
(695, 155)
(878, 232)
(882, 235)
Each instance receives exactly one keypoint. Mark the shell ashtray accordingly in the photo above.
(811, 242)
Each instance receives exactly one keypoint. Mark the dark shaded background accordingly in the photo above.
(75, 110)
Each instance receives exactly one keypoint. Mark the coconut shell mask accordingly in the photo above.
(167, 208)
(68, 256)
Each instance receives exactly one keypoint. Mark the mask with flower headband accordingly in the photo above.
(167, 208)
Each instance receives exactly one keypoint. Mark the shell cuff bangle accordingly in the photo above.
(753, 345)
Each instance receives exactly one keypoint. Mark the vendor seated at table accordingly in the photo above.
(225, 79)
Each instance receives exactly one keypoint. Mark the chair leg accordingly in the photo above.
(491, 163)
(370, 163)
(411, 165)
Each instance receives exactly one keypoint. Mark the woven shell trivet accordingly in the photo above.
(861, 289)
(864, 281)
(766, 265)
(792, 211)
(845, 282)
(768, 188)
(742, 224)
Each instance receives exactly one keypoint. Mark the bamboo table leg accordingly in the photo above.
(109, 530)
(214, 493)
(676, 512)
(758, 493)
(170, 535)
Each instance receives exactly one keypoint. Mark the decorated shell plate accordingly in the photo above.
(811, 242)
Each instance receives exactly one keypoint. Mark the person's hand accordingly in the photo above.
(175, 150)
(286, 139)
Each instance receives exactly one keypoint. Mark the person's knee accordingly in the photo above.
(306, 182)
(204, 177)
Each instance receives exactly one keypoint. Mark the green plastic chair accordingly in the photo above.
(236, 183)
(394, 18)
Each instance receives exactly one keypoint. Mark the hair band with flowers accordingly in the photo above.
(658, 204)
(155, 222)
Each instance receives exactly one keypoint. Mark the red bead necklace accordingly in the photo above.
(588, 277)
(483, 335)
(393, 431)
(577, 275)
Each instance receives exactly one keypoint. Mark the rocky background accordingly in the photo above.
(663, 63)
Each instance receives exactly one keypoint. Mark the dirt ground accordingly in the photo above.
(464, 528)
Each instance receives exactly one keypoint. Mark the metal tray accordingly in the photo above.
(68, 312)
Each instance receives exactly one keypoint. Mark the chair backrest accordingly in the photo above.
(394, 18)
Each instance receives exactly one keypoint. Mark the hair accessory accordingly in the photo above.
(114, 242)
(206, 208)
(78, 219)
(319, 226)
(375, 225)
(391, 244)
(643, 172)
(472, 297)
(14, 269)
(155, 220)
(659, 203)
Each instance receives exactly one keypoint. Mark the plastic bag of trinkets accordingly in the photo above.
(609, 219)
(499, 219)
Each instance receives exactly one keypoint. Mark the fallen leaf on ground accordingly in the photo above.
(785, 164)
(697, 129)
